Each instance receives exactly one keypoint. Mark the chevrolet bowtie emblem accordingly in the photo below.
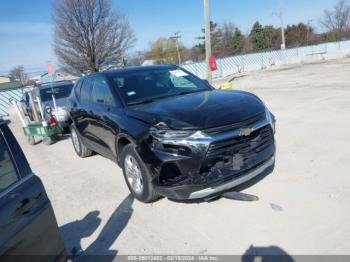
(246, 132)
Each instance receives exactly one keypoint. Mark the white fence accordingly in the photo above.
(238, 64)
(258, 61)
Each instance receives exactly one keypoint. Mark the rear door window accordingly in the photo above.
(85, 90)
(8, 173)
(77, 87)
(101, 93)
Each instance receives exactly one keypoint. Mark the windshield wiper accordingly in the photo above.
(189, 92)
(151, 100)
(140, 102)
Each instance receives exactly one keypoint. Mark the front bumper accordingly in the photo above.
(235, 182)
(206, 167)
(191, 192)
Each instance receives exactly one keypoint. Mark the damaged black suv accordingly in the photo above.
(172, 133)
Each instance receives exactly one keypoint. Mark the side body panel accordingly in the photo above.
(27, 222)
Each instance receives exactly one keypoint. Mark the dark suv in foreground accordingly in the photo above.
(28, 227)
(172, 133)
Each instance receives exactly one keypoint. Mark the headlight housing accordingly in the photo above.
(162, 134)
(272, 119)
(168, 133)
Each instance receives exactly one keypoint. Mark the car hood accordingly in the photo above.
(200, 110)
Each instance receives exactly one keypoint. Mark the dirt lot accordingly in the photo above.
(304, 206)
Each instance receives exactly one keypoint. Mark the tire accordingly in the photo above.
(81, 150)
(31, 140)
(47, 141)
(147, 193)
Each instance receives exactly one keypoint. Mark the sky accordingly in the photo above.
(26, 28)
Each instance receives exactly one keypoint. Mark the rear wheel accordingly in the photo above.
(47, 141)
(137, 176)
(31, 140)
(79, 147)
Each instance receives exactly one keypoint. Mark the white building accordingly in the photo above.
(4, 79)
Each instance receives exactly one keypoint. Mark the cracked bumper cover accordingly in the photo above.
(220, 177)
(191, 192)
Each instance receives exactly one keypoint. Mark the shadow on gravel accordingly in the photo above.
(73, 233)
(266, 254)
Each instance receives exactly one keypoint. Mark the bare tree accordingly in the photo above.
(337, 20)
(17, 73)
(89, 35)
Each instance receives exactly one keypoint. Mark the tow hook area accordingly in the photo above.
(240, 196)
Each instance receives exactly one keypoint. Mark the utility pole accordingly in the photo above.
(139, 57)
(280, 15)
(207, 39)
(308, 30)
(176, 37)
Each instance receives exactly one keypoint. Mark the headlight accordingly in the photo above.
(164, 133)
(175, 134)
(272, 119)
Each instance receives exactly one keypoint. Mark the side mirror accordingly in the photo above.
(48, 110)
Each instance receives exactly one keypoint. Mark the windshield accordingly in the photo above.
(59, 92)
(148, 86)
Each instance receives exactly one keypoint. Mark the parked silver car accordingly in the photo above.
(60, 91)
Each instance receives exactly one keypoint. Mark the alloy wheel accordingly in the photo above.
(133, 174)
(75, 141)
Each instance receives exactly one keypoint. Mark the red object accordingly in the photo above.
(52, 121)
(50, 69)
(212, 63)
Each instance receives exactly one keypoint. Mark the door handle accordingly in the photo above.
(109, 109)
(28, 203)
(23, 203)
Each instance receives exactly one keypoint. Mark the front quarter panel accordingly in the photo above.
(134, 130)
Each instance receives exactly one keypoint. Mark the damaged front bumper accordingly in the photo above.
(190, 192)
(202, 167)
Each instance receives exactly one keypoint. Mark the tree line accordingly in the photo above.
(229, 40)
(90, 36)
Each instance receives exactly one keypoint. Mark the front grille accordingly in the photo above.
(222, 129)
(245, 146)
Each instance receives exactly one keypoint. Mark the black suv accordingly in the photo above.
(172, 133)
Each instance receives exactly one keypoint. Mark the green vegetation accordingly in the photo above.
(258, 37)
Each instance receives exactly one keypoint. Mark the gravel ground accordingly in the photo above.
(303, 208)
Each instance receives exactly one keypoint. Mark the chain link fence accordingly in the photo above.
(259, 61)
(236, 64)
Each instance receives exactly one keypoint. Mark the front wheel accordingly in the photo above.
(137, 177)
